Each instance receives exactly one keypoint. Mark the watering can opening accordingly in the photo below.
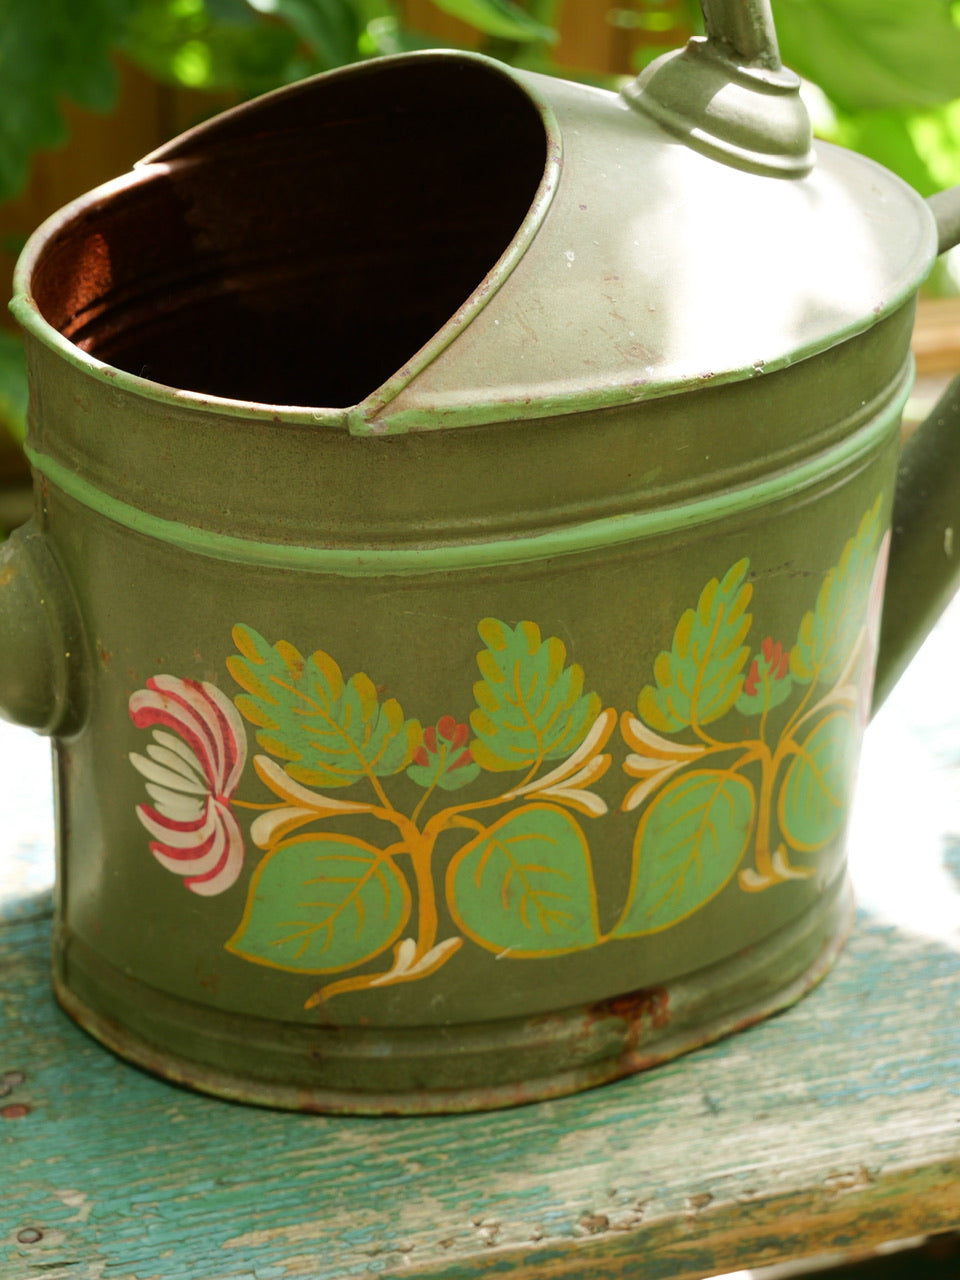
(301, 249)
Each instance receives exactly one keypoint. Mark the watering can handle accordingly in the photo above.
(744, 30)
(924, 568)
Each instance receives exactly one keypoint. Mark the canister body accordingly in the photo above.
(448, 771)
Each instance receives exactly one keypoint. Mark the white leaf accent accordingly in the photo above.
(403, 965)
(435, 955)
(262, 828)
(599, 732)
(166, 777)
(172, 804)
(636, 795)
(639, 735)
(284, 786)
(190, 770)
(585, 801)
(178, 747)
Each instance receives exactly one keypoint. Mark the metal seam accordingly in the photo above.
(589, 535)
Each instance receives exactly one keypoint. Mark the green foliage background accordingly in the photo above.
(889, 70)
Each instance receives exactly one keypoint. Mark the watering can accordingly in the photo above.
(463, 507)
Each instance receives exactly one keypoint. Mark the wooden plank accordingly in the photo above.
(835, 1125)
(936, 336)
(797, 1138)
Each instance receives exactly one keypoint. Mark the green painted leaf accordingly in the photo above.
(688, 845)
(873, 54)
(828, 634)
(530, 707)
(498, 18)
(815, 792)
(524, 887)
(321, 903)
(327, 731)
(700, 679)
(768, 682)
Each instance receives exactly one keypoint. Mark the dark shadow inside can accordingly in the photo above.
(299, 250)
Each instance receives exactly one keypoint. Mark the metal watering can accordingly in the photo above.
(463, 506)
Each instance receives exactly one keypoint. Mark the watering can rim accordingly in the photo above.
(374, 414)
(178, 151)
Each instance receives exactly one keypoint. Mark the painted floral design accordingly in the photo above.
(191, 776)
(777, 782)
(738, 772)
(325, 901)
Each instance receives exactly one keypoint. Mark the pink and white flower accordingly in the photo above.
(191, 779)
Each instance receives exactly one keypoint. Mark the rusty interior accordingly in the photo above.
(300, 251)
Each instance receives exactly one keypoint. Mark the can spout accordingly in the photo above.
(41, 642)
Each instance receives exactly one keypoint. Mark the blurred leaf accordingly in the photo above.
(936, 136)
(13, 243)
(210, 44)
(498, 18)
(885, 136)
(330, 28)
(13, 385)
(873, 54)
(48, 52)
(671, 22)
(387, 35)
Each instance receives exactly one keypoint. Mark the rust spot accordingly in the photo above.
(849, 1180)
(14, 1111)
(595, 1223)
(7, 575)
(698, 1201)
(210, 981)
(650, 1006)
(106, 657)
(29, 1235)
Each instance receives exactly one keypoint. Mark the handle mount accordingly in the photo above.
(728, 95)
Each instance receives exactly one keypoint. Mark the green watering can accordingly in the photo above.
(463, 506)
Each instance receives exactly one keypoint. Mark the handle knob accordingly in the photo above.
(41, 641)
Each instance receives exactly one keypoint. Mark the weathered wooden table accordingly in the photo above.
(832, 1127)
